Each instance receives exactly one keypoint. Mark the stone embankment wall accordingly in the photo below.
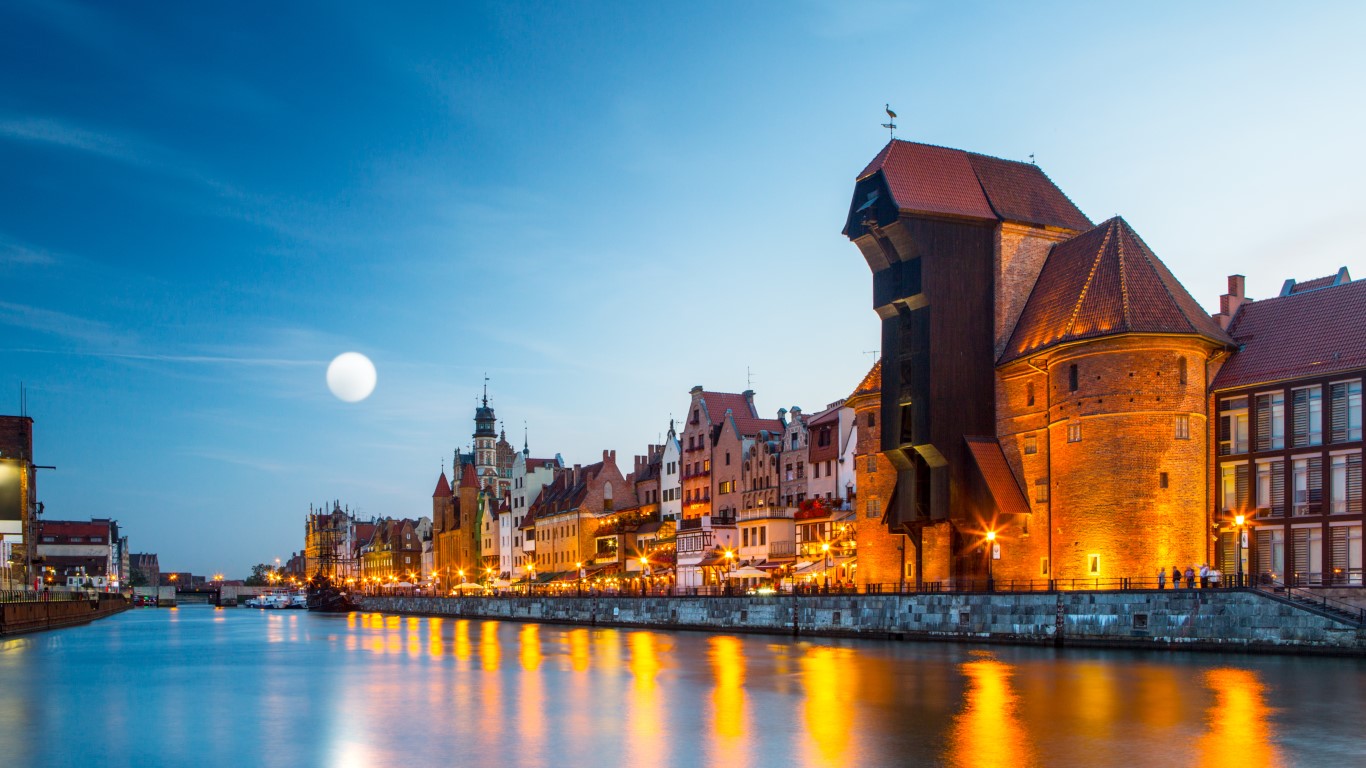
(1223, 620)
(18, 618)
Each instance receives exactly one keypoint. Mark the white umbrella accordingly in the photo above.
(749, 572)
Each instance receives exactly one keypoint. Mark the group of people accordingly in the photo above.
(1209, 577)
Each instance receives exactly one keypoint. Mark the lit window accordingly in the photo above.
(1233, 426)
(1093, 565)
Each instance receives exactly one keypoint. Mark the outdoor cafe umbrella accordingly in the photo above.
(749, 572)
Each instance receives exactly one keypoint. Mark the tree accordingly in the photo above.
(138, 578)
(261, 575)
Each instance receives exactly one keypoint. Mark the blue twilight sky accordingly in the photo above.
(600, 205)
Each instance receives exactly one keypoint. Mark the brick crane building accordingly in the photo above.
(1043, 378)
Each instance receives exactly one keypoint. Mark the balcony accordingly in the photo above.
(697, 473)
(782, 549)
(766, 513)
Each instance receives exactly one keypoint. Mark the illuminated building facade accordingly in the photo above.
(1287, 442)
(1043, 378)
(18, 506)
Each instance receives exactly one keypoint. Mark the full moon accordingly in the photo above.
(351, 377)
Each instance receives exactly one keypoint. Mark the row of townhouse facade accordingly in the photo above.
(731, 491)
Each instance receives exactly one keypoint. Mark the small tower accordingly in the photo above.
(485, 441)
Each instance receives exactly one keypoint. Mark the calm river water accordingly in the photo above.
(199, 686)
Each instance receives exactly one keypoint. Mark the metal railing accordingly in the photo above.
(1341, 608)
(51, 596)
(629, 586)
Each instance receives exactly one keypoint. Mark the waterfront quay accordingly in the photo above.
(1233, 619)
(209, 686)
(23, 611)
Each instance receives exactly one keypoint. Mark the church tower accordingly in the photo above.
(486, 443)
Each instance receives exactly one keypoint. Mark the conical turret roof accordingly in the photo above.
(1106, 282)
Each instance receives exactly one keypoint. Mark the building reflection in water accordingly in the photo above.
(729, 721)
(531, 704)
(1239, 721)
(988, 731)
(646, 733)
(829, 687)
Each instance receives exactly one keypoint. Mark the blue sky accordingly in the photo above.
(599, 205)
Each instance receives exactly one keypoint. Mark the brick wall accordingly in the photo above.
(1020, 254)
(880, 552)
(1105, 491)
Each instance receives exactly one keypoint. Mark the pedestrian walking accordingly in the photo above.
(1204, 575)
(1161, 578)
(1190, 577)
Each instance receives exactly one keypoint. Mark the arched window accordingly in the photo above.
(1072, 384)
(1181, 370)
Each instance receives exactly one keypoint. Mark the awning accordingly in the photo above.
(712, 560)
(1000, 480)
(748, 572)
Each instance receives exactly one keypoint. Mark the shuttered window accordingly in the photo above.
(1228, 553)
(1270, 421)
(1232, 426)
(1345, 489)
(1234, 487)
(1308, 485)
(1306, 423)
(1271, 487)
(1346, 410)
(1307, 552)
(1270, 554)
(1340, 554)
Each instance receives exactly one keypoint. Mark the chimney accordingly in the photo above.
(1231, 301)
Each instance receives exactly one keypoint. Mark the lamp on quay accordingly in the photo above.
(991, 555)
(1240, 520)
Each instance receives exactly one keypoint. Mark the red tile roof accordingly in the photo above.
(1105, 282)
(1001, 481)
(1315, 333)
(467, 476)
(443, 488)
(747, 420)
(871, 384)
(1023, 192)
(928, 179)
(1313, 285)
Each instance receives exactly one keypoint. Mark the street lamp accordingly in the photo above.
(578, 583)
(1240, 519)
(730, 566)
(825, 550)
(991, 555)
(644, 573)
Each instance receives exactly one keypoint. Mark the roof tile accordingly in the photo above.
(1105, 282)
(1316, 333)
(1001, 481)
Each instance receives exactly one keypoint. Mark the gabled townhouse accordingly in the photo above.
(829, 455)
(568, 509)
(795, 442)
(766, 533)
(393, 552)
(518, 548)
(670, 477)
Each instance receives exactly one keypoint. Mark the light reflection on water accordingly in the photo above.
(198, 686)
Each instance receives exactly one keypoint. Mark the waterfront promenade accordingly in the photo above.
(1224, 619)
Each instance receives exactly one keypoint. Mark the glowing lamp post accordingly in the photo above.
(644, 573)
(991, 555)
(730, 565)
(578, 583)
(1240, 519)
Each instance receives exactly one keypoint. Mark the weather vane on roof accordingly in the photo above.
(890, 125)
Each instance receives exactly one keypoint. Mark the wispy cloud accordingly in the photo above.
(58, 324)
(13, 254)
